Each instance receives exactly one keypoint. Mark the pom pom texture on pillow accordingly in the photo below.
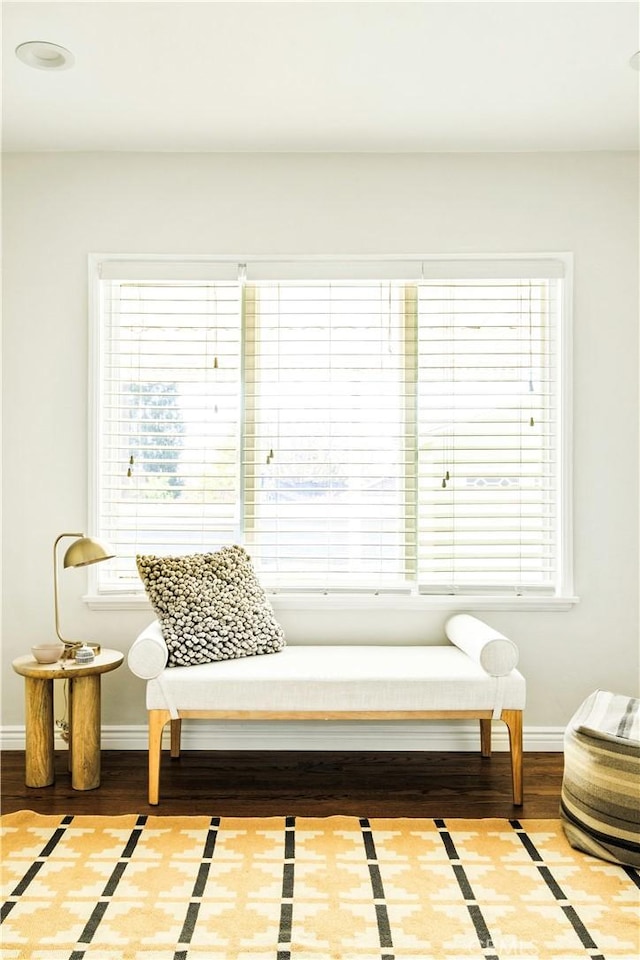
(210, 606)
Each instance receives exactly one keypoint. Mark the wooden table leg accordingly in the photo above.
(70, 723)
(39, 770)
(85, 733)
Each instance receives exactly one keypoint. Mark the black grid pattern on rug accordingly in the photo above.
(101, 906)
(591, 948)
(377, 888)
(372, 865)
(34, 869)
(198, 892)
(470, 901)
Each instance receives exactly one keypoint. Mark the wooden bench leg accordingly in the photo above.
(176, 730)
(158, 719)
(485, 738)
(513, 720)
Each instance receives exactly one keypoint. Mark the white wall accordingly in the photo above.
(59, 207)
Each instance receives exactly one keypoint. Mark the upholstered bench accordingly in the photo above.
(600, 801)
(473, 676)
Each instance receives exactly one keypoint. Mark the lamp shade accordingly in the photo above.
(87, 550)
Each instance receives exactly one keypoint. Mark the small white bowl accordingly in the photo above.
(47, 652)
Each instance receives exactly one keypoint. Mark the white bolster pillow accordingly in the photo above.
(148, 655)
(495, 653)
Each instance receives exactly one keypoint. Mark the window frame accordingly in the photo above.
(562, 599)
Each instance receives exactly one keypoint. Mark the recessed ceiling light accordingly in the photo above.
(635, 61)
(44, 55)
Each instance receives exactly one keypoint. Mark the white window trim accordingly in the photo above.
(315, 602)
(564, 600)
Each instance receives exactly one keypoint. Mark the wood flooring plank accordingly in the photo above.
(314, 783)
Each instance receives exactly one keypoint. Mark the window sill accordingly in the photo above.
(384, 601)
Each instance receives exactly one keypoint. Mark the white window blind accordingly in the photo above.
(398, 433)
(487, 415)
(328, 429)
(169, 420)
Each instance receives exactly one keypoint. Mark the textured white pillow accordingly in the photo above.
(210, 606)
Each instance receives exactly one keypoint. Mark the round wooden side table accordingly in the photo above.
(84, 717)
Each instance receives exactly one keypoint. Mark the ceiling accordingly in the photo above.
(314, 76)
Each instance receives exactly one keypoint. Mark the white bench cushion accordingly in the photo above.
(331, 678)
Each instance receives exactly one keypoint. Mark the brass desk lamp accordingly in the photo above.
(82, 552)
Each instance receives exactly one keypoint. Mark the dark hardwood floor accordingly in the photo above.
(316, 784)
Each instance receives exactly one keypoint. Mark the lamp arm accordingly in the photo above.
(55, 586)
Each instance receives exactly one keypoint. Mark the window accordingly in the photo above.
(386, 426)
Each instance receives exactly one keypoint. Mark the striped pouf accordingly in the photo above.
(600, 804)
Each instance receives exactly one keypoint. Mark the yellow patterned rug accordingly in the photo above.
(297, 888)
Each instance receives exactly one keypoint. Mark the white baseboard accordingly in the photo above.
(313, 735)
